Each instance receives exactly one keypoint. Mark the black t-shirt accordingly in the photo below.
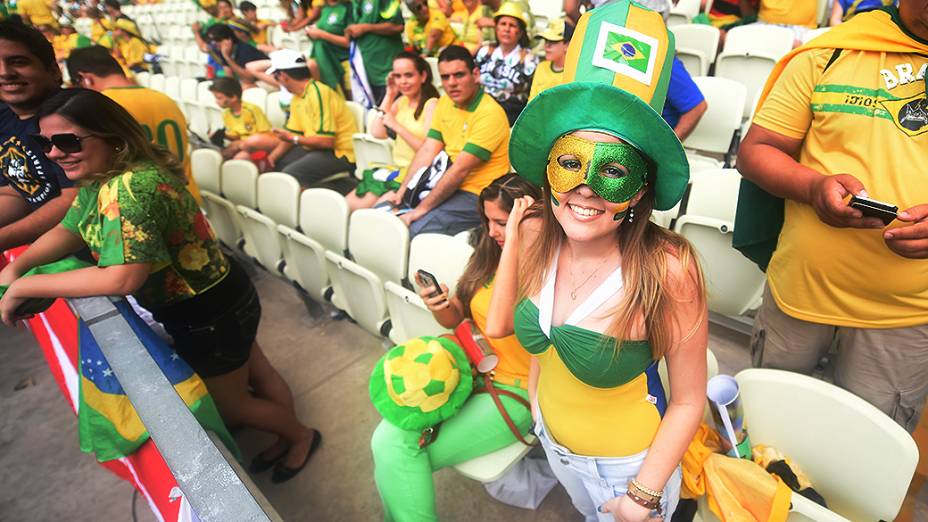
(244, 53)
(23, 165)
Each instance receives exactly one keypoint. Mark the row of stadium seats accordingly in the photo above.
(363, 262)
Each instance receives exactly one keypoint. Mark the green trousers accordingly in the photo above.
(403, 472)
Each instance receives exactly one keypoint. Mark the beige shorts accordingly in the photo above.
(886, 367)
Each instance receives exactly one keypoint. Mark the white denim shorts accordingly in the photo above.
(593, 481)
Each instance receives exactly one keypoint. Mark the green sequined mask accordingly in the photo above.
(598, 165)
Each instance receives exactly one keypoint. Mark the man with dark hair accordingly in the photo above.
(94, 68)
(316, 145)
(472, 129)
(34, 192)
(240, 59)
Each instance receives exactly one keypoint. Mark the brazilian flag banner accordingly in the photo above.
(108, 424)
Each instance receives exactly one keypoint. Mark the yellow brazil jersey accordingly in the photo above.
(162, 121)
(320, 111)
(512, 369)
(39, 12)
(248, 122)
(788, 12)
(260, 36)
(865, 115)
(480, 129)
(545, 77)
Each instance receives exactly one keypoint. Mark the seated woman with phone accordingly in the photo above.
(402, 470)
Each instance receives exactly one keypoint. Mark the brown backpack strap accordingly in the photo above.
(494, 392)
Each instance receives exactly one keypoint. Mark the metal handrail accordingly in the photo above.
(213, 483)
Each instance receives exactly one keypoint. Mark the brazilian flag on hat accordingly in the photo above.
(616, 76)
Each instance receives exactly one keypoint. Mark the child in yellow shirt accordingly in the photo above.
(550, 72)
(246, 126)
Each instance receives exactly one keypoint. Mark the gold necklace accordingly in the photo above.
(573, 293)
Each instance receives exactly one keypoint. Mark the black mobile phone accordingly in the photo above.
(873, 208)
(429, 280)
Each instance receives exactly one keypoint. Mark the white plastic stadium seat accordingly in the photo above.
(275, 115)
(206, 164)
(859, 459)
(750, 53)
(323, 227)
(682, 12)
(734, 283)
(256, 96)
(156, 82)
(278, 203)
(494, 465)
(378, 243)
(239, 187)
(722, 118)
(358, 111)
(696, 46)
(442, 256)
(369, 150)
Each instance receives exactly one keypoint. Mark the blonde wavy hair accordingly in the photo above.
(649, 290)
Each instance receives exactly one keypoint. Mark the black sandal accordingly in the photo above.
(283, 473)
(260, 464)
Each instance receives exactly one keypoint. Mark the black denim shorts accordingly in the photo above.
(214, 331)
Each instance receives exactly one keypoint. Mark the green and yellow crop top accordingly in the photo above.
(594, 401)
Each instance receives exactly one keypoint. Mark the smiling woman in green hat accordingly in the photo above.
(593, 290)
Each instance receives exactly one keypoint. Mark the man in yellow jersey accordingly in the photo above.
(428, 31)
(315, 147)
(847, 115)
(94, 68)
(471, 127)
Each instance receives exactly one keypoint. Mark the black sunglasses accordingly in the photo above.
(68, 143)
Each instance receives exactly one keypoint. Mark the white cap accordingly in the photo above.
(286, 59)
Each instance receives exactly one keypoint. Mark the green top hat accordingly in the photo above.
(421, 383)
(615, 81)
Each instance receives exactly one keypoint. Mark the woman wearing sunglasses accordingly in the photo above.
(150, 240)
(599, 294)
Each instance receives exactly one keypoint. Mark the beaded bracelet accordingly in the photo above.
(644, 502)
(644, 489)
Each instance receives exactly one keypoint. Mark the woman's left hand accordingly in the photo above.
(625, 509)
(9, 304)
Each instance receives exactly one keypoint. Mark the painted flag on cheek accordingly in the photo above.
(108, 424)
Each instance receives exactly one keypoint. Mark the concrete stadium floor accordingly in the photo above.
(326, 363)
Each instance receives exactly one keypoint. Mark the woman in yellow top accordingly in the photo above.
(596, 292)
(470, 24)
(405, 115)
(403, 472)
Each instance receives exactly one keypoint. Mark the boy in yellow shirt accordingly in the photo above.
(246, 126)
(259, 34)
(549, 72)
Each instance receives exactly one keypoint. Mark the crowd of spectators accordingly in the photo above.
(101, 163)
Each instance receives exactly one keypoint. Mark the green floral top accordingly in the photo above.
(146, 215)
